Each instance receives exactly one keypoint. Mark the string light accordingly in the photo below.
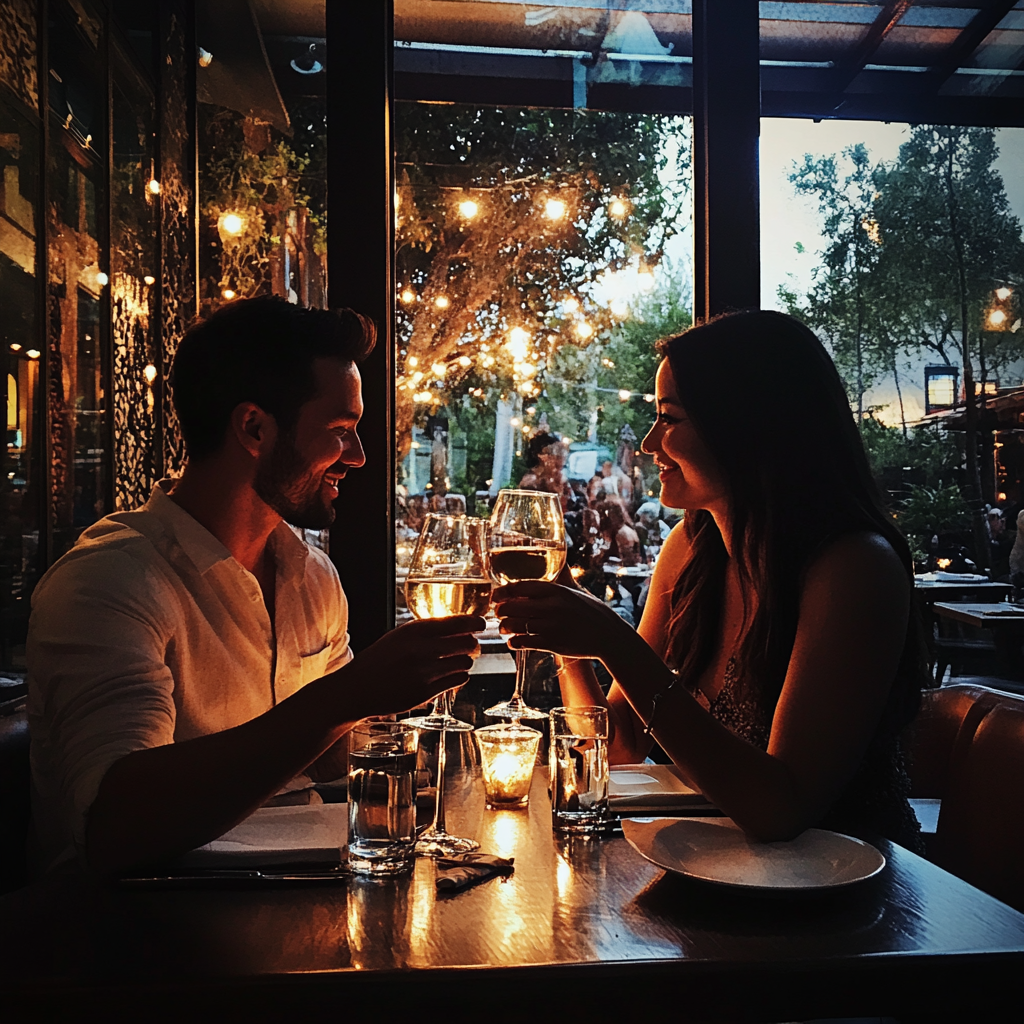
(1002, 294)
(231, 223)
(149, 373)
(149, 279)
(15, 347)
(624, 395)
(441, 302)
(518, 340)
(33, 353)
(154, 186)
(102, 280)
(617, 208)
(228, 294)
(996, 317)
(408, 296)
(438, 369)
(648, 398)
(468, 209)
(422, 396)
(554, 209)
(465, 362)
(413, 361)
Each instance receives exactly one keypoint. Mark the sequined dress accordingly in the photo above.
(873, 802)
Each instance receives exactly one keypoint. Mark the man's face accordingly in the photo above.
(299, 478)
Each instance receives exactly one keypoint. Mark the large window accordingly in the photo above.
(540, 254)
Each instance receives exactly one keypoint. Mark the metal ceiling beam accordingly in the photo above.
(847, 70)
(969, 40)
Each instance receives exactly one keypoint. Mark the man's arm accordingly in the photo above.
(163, 801)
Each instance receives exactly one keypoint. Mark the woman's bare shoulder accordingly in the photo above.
(859, 564)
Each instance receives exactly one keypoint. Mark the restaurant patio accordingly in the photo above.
(523, 198)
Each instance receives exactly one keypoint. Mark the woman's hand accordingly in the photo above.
(563, 620)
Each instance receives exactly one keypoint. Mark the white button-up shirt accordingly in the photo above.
(149, 632)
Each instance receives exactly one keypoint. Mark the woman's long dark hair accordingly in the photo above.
(765, 397)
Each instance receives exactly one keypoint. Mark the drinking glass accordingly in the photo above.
(526, 542)
(381, 797)
(579, 769)
(447, 576)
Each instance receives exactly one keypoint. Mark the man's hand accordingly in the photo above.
(413, 663)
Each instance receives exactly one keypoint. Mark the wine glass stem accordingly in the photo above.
(438, 827)
(517, 696)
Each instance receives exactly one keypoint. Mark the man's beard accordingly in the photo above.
(287, 488)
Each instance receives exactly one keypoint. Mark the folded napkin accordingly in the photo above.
(465, 869)
(637, 788)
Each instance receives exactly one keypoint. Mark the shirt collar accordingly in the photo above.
(206, 551)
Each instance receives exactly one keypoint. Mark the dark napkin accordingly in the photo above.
(462, 870)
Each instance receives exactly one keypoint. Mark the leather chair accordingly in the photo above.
(15, 798)
(980, 834)
(932, 736)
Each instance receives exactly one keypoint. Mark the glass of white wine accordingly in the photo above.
(526, 541)
(448, 576)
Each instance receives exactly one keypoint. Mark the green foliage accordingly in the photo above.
(931, 510)
(936, 454)
(467, 281)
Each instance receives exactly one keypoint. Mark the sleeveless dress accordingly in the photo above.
(874, 801)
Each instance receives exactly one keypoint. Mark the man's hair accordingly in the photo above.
(261, 351)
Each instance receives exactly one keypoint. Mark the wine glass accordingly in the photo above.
(447, 576)
(526, 542)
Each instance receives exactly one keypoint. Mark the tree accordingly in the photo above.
(508, 222)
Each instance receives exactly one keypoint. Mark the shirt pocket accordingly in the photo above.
(313, 666)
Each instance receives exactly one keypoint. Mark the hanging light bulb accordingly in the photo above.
(149, 373)
(154, 186)
(468, 209)
(407, 296)
(228, 294)
(618, 208)
(584, 330)
(441, 302)
(554, 209)
(231, 223)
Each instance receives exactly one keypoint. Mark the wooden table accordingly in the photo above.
(984, 615)
(581, 927)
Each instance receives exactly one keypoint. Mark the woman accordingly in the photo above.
(777, 660)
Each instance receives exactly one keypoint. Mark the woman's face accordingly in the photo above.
(690, 477)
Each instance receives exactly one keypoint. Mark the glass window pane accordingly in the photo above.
(21, 475)
(540, 254)
(81, 485)
(902, 246)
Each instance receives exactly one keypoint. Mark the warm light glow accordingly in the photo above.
(944, 563)
(154, 186)
(417, 377)
(228, 294)
(617, 208)
(648, 398)
(408, 296)
(465, 362)
(33, 353)
(1001, 496)
(508, 754)
(554, 209)
(412, 361)
(488, 361)
(624, 395)
(421, 396)
(441, 302)
(584, 330)
(149, 373)
(102, 280)
(608, 362)
(518, 342)
(468, 209)
(1002, 294)
(149, 279)
(15, 347)
(515, 421)
(576, 571)
(205, 58)
(231, 224)
(438, 369)
(571, 304)
(997, 317)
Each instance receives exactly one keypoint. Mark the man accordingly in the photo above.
(190, 660)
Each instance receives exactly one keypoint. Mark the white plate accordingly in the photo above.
(716, 850)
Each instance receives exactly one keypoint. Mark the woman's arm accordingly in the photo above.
(851, 628)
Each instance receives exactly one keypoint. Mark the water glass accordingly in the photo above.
(382, 797)
(579, 769)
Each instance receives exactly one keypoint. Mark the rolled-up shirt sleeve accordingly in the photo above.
(100, 687)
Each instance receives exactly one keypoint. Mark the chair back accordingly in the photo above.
(980, 834)
(932, 735)
(15, 794)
